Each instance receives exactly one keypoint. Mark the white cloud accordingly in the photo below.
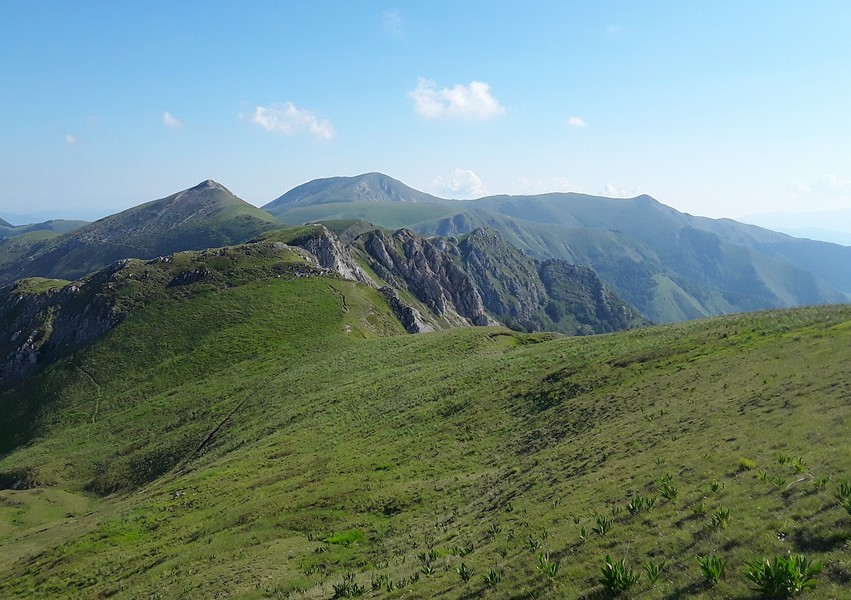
(539, 186)
(826, 185)
(473, 102)
(393, 23)
(288, 119)
(70, 139)
(613, 191)
(614, 29)
(463, 183)
(577, 122)
(169, 120)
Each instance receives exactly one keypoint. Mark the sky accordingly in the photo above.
(721, 109)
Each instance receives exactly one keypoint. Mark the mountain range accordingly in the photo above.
(670, 265)
(201, 401)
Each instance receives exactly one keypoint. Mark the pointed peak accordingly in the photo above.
(209, 184)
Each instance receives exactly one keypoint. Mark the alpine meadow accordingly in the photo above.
(511, 302)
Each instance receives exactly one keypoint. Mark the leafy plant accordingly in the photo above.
(821, 482)
(534, 544)
(654, 571)
(721, 517)
(348, 588)
(464, 572)
(713, 568)
(747, 464)
(668, 491)
(843, 489)
(617, 576)
(799, 464)
(492, 577)
(604, 525)
(698, 509)
(546, 566)
(714, 487)
(782, 577)
(494, 530)
(783, 459)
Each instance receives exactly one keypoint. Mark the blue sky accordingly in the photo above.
(714, 108)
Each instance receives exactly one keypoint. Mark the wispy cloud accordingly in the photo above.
(472, 102)
(288, 119)
(393, 23)
(577, 122)
(539, 186)
(70, 138)
(462, 184)
(613, 191)
(169, 120)
(826, 185)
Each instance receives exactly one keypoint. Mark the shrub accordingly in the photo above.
(604, 525)
(654, 571)
(782, 577)
(492, 577)
(746, 464)
(464, 572)
(348, 588)
(713, 568)
(698, 509)
(617, 576)
(546, 566)
(843, 489)
(721, 517)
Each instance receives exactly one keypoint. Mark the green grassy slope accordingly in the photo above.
(271, 439)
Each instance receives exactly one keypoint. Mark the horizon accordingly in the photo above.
(723, 111)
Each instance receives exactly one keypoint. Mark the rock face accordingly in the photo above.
(553, 295)
(55, 321)
(429, 273)
(331, 254)
(410, 317)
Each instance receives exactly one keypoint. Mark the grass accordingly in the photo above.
(282, 439)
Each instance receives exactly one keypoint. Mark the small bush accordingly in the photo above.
(713, 568)
(464, 572)
(654, 571)
(492, 577)
(721, 517)
(746, 464)
(546, 566)
(604, 525)
(617, 576)
(782, 577)
(348, 588)
(843, 489)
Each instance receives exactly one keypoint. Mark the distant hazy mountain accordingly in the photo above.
(207, 215)
(827, 226)
(54, 226)
(671, 265)
(369, 187)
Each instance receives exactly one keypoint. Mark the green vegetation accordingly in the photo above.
(782, 577)
(279, 437)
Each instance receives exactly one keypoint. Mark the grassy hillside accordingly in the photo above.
(277, 439)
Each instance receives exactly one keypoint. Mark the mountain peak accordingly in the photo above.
(367, 187)
(209, 184)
